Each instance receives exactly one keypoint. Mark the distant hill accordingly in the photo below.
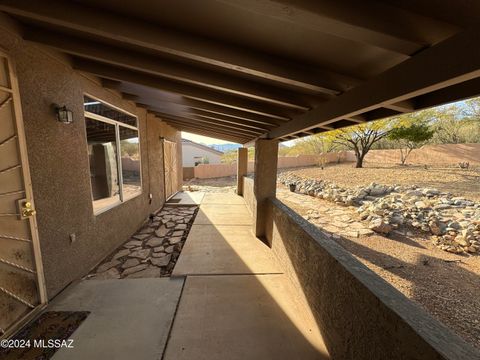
(225, 147)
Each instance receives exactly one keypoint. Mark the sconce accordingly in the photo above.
(63, 114)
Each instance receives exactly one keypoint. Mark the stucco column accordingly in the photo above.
(242, 168)
(265, 181)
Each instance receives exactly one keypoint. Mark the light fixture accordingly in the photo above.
(63, 114)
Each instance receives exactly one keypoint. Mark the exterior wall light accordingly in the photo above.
(63, 114)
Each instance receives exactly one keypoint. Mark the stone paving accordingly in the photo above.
(153, 250)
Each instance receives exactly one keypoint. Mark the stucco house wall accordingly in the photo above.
(59, 163)
(193, 153)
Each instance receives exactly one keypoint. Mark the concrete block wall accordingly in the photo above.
(359, 315)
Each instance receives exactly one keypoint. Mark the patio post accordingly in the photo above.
(265, 181)
(242, 168)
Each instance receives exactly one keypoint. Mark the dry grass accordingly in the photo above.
(449, 179)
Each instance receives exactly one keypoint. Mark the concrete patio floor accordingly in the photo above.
(187, 198)
(129, 319)
(224, 249)
(227, 299)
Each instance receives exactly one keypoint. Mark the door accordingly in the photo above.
(170, 166)
(22, 291)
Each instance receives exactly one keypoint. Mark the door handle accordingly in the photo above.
(27, 209)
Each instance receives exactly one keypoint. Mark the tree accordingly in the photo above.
(360, 138)
(410, 138)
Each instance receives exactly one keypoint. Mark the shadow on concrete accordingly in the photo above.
(231, 310)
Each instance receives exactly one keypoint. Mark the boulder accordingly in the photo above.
(379, 226)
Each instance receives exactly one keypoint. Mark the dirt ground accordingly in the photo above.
(448, 179)
(446, 285)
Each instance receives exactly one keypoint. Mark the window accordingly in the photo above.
(113, 154)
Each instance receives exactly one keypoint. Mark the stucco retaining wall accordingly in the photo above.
(59, 163)
(359, 315)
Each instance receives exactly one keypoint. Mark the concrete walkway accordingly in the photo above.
(129, 319)
(236, 303)
(227, 299)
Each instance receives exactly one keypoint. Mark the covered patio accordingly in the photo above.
(254, 280)
(228, 297)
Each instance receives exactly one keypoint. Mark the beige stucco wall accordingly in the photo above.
(205, 171)
(248, 194)
(191, 151)
(359, 314)
(59, 163)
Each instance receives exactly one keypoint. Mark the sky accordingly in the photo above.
(209, 141)
(203, 139)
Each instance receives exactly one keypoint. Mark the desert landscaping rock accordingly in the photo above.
(154, 249)
(162, 261)
(159, 254)
(134, 269)
(151, 272)
(175, 240)
(121, 253)
(130, 263)
(158, 249)
(161, 231)
(155, 241)
(141, 254)
(132, 244)
(107, 265)
(453, 222)
(141, 236)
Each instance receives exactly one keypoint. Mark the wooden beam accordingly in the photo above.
(366, 22)
(462, 91)
(228, 120)
(207, 129)
(451, 62)
(133, 60)
(201, 106)
(128, 30)
(192, 130)
(213, 122)
(356, 119)
(404, 106)
(212, 125)
(202, 127)
(189, 91)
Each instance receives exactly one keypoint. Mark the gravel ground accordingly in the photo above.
(449, 179)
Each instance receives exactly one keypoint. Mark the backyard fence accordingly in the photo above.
(207, 171)
(445, 154)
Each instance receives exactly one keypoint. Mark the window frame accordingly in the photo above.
(122, 198)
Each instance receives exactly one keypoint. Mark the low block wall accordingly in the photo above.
(188, 173)
(207, 171)
(248, 194)
(359, 314)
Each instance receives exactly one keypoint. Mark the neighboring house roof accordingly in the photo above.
(201, 146)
